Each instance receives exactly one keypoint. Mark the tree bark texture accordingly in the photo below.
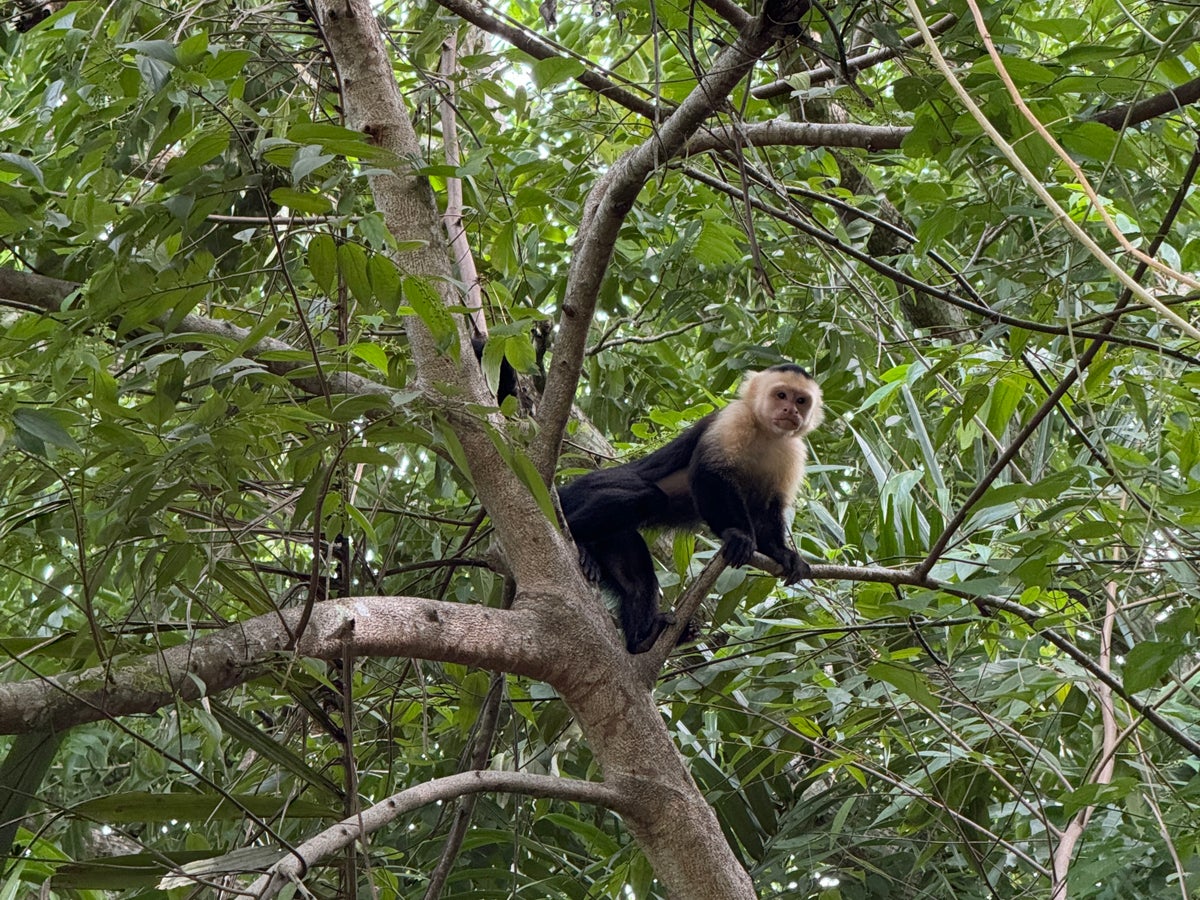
(667, 814)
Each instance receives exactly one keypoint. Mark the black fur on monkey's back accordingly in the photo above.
(691, 480)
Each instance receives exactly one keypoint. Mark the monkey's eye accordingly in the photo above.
(781, 395)
(802, 400)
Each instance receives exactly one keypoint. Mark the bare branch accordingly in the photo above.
(821, 74)
(1130, 114)
(344, 833)
(453, 216)
(517, 641)
(781, 132)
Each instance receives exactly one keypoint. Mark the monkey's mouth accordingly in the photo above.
(786, 423)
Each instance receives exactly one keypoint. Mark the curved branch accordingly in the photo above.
(520, 641)
(344, 833)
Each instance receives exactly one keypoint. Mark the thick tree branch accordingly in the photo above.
(344, 833)
(516, 641)
(1130, 114)
(781, 132)
(535, 550)
(673, 823)
(613, 196)
(730, 12)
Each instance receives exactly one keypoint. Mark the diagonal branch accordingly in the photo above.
(1171, 100)
(611, 199)
(602, 84)
(821, 74)
(533, 547)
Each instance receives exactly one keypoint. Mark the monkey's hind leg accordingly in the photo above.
(623, 564)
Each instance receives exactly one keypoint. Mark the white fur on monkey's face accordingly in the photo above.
(785, 403)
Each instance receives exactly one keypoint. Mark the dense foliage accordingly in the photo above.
(857, 739)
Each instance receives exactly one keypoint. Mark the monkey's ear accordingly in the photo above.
(747, 380)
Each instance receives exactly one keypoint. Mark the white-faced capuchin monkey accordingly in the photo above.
(737, 469)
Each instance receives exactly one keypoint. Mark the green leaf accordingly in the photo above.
(1148, 662)
(555, 70)
(228, 63)
(1021, 70)
(306, 202)
(45, 426)
(372, 354)
(206, 148)
(322, 263)
(385, 281)
(307, 160)
(1094, 141)
(13, 162)
(352, 263)
(335, 139)
(906, 680)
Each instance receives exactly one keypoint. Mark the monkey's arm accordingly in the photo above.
(722, 505)
(774, 539)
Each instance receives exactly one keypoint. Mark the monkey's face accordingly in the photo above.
(789, 405)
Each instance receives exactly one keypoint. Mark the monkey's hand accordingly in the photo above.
(587, 563)
(737, 546)
(794, 568)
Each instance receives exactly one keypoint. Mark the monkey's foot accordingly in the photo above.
(650, 638)
(588, 565)
(690, 634)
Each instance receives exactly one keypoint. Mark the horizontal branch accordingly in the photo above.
(781, 132)
(344, 833)
(1031, 617)
(517, 641)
